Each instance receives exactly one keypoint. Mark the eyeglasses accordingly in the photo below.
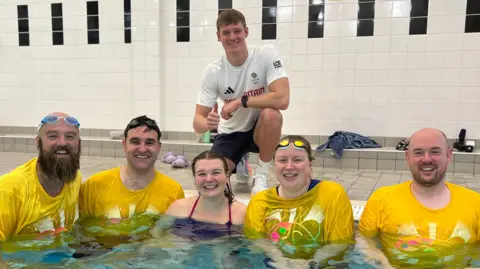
(296, 143)
(51, 119)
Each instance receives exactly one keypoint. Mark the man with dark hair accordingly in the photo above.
(253, 85)
(40, 197)
(135, 190)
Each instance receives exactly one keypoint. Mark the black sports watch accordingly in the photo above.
(244, 101)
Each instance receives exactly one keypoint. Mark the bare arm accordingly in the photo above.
(200, 120)
(374, 255)
(238, 213)
(326, 252)
(2, 263)
(179, 208)
(207, 100)
(278, 97)
(279, 260)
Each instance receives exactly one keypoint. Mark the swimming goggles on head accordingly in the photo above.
(135, 123)
(298, 144)
(51, 119)
(149, 123)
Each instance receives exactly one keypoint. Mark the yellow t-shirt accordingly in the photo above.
(26, 209)
(301, 225)
(414, 235)
(107, 207)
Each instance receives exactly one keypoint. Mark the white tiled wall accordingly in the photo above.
(386, 85)
(103, 85)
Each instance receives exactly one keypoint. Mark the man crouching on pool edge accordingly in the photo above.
(425, 222)
(40, 196)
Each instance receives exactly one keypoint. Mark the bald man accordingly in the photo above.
(40, 196)
(425, 222)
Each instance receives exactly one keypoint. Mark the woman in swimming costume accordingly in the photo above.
(213, 212)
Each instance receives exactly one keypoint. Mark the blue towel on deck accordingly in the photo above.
(346, 140)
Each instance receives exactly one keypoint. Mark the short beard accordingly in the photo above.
(61, 169)
(439, 176)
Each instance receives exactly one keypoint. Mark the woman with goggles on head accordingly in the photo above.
(308, 219)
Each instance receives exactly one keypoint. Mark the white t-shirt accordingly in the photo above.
(226, 82)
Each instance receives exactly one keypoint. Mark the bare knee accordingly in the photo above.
(231, 166)
(270, 116)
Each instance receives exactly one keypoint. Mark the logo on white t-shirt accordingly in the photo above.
(255, 78)
(277, 64)
(229, 91)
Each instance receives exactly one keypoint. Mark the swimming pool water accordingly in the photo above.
(165, 251)
(159, 251)
(234, 253)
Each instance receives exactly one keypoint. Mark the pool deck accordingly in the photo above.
(359, 184)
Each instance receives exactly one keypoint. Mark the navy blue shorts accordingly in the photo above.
(235, 145)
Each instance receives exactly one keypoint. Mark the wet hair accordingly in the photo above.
(230, 16)
(210, 155)
(307, 146)
(143, 121)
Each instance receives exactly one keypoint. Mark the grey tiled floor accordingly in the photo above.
(359, 184)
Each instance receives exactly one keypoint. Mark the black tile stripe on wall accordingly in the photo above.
(418, 17)
(316, 17)
(183, 20)
(57, 23)
(365, 17)
(127, 21)
(224, 4)
(269, 19)
(23, 26)
(93, 25)
(472, 21)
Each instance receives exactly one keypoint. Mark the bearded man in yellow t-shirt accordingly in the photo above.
(39, 197)
(426, 222)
